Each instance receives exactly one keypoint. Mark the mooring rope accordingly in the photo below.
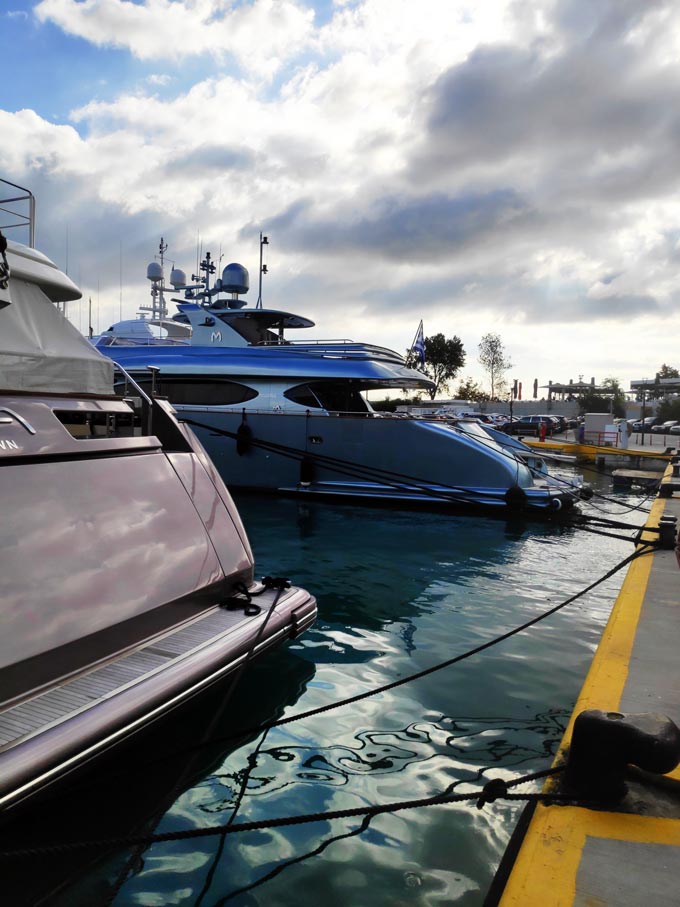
(494, 789)
(647, 548)
(397, 480)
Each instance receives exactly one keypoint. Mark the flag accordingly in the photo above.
(418, 348)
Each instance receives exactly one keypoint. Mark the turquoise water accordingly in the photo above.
(397, 593)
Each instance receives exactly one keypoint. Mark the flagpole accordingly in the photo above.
(413, 342)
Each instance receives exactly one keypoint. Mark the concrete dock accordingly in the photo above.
(626, 854)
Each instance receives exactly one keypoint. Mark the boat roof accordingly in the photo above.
(265, 318)
(359, 362)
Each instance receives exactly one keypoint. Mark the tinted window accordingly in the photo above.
(199, 392)
(304, 396)
(339, 397)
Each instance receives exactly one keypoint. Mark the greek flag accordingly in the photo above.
(418, 348)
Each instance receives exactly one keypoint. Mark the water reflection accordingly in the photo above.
(398, 592)
(467, 744)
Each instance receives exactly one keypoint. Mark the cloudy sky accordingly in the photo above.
(493, 165)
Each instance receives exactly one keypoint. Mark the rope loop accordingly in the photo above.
(236, 603)
(276, 582)
(4, 266)
(492, 791)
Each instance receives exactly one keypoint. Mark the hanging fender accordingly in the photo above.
(244, 437)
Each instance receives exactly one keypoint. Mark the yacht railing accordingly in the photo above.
(341, 349)
(146, 400)
(8, 201)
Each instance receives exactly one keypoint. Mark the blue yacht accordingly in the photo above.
(292, 417)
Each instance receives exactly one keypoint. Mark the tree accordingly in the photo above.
(472, 391)
(615, 403)
(495, 361)
(658, 393)
(443, 358)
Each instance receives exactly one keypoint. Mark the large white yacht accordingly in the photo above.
(293, 417)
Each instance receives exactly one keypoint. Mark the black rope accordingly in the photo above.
(397, 480)
(493, 790)
(611, 535)
(268, 582)
(277, 870)
(647, 548)
(576, 488)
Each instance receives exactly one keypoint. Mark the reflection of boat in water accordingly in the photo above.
(127, 576)
(293, 417)
(133, 786)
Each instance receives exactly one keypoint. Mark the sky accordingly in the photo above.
(505, 166)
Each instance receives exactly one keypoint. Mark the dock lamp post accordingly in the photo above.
(642, 426)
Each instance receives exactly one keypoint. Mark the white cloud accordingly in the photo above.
(159, 79)
(260, 35)
(512, 163)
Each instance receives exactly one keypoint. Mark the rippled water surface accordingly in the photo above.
(398, 592)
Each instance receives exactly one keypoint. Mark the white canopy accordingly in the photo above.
(40, 350)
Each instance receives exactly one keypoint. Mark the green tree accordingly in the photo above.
(615, 403)
(471, 390)
(495, 361)
(657, 393)
(443, 358)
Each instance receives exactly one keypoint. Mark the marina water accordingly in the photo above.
(398, 592)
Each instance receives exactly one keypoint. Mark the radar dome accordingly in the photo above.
(154, 272)
(178, 278)
(235, 279)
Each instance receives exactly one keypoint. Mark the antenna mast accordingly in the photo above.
(263, 270)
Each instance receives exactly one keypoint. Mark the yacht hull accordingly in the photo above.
(397, 461)
(117, 553)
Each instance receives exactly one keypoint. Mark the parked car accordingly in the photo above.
(664, 427)
(646, 424)
(530, 425)
(674, 429)
(481, 417)
(561, 421)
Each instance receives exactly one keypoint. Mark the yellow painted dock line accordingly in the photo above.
(573, 856)
(593, 451)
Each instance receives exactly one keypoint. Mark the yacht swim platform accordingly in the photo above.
(624, 854)
(109, 701)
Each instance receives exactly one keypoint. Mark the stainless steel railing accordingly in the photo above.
(8, 208)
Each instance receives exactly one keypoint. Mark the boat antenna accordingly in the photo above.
(203, 283)
(120, 280)
(263, 270)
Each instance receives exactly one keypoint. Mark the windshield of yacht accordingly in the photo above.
(339, 396)
(253, 329)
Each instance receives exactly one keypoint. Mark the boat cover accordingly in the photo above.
(41, 351)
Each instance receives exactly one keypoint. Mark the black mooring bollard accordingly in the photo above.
(604, 743)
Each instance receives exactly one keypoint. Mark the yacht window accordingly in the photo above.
(339, 397)
(199, 392)
(304, 396)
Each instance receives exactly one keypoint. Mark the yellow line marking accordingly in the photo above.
(555, 847)
(544, 874)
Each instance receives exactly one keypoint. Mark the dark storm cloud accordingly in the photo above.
(512, 299)
(428, 228)
(567, 113)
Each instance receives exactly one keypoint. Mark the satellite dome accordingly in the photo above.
(154, 272)
(178, 278)
(235, 279)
